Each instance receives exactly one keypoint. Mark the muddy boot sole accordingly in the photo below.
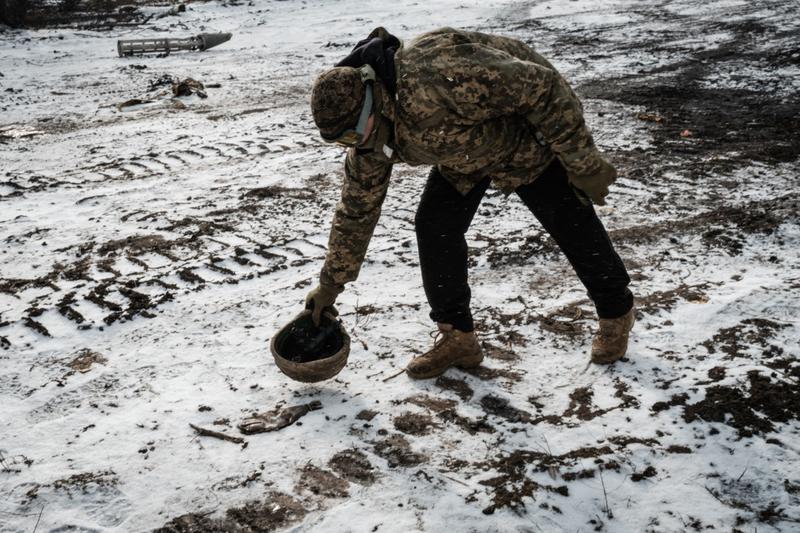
(470, 361)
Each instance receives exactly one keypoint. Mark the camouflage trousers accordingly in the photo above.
(444, 215)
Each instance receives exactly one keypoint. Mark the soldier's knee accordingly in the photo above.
(440, 224)
(425, 222)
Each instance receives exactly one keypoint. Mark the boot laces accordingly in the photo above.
(439, 336)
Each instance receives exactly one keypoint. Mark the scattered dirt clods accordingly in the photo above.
(753, 411)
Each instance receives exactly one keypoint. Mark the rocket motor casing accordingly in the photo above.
(166, 45)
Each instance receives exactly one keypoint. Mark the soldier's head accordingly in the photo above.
(343, 104)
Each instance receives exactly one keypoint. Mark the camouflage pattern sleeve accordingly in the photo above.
(557, 114)
(365, 183)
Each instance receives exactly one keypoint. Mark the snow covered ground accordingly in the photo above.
(149, 253)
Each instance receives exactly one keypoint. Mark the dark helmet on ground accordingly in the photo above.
(306, 352)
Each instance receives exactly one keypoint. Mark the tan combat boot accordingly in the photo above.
(611, 341)
(451, 348)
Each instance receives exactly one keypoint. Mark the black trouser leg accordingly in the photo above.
(583, 239)
(442, 219)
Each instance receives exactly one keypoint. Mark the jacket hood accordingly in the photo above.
(377, 51)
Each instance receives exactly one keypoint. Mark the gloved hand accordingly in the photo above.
(595, 184)
(322, 297)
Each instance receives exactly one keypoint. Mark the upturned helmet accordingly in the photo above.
(309, 353)
(341, 102)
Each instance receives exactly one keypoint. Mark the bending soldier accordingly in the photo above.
(480, 109)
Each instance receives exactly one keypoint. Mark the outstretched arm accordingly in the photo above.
(366, 178)
(365, 184)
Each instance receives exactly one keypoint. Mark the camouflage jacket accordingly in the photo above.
(473, 104)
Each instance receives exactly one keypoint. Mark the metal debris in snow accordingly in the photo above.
(166, 45)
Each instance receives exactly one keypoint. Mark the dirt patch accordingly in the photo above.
(187, 275)
(471, 426)
(494, 405)
(140, 244)
(98, 297)
(749, 495)
(84, 360)
(36, 326)
(512, 485)
(623, 441)
(139, 304)
(752, 412)
(489, 374)
(366, 415)
(458, 386)
(496, 352)
(195, 227)
(397, 452)
(569, 321)
(261, 193)
(500, 255)
(739, 340)
(276, 511)
(648, 472)
(431, 403)
(666, 300)
(87, 481)
(677, 448)
(677, 399)
(738, 124)
(200, 523)
(581, 474)
(581, 405)
(78, 14)
(322, 483)
(76, 271)
(353, 466)
(414, 424)
(743, 124)
(587, 452)
(725, 227)
(789, 366)
(64, 307)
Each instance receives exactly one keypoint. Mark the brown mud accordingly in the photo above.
(458, 386)
(414, 424)
(582, 407)
(445, 411)
(752, 410)
(275, 511)
(739, 340)
(396, 450)
(322, 482)
(354, 466)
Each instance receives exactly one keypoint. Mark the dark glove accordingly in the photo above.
(595, 184)
(321, 298)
